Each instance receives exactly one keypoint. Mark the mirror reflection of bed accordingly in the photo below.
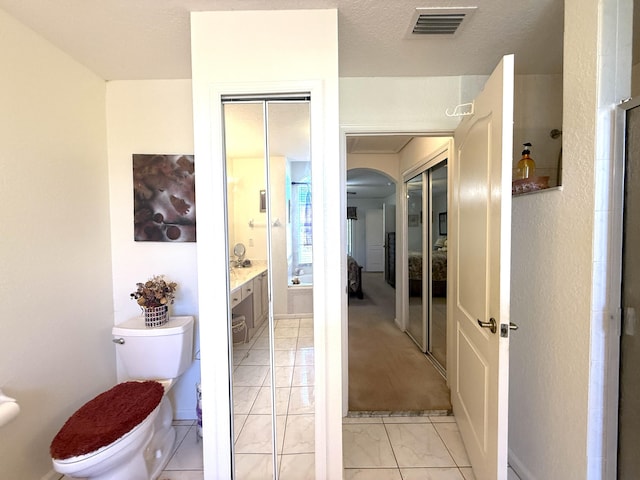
(354, 278)
(438, 272)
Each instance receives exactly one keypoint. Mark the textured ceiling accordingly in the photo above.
(149, 39)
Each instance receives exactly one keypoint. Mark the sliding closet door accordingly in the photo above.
(250, 339)
(268, 169)
(426, 247)
(437, 324)
(416, 327)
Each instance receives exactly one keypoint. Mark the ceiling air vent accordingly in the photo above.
(439, 21)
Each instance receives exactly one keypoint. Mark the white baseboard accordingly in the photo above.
(283, 316)
(52, 475)
(518, 466)
(395, 320)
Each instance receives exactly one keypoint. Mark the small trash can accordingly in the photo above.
(199, 410)
(239, 329)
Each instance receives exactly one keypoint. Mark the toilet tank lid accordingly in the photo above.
(135, 327)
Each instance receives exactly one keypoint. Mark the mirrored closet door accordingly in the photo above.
(437, 318)
(426, 246)
(417, 327)
(268, 170)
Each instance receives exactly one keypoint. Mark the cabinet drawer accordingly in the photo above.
(236, 297)
(247, 289)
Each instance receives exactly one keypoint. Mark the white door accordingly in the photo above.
(480, 265)
(374, 238)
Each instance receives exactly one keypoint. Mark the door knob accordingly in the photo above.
(491, 324)
(513, 326)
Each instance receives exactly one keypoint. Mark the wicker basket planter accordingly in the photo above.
(156, 316)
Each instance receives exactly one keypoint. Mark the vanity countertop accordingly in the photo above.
(241, 275)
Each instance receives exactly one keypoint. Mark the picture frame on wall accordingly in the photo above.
(263, 200)
(413, 219)
(442, 223)
(164, 203)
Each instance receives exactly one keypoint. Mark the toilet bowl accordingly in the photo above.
(126, 432)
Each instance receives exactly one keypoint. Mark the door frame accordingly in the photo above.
(214, 257)
(360, 130)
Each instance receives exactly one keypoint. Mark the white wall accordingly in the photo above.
(55, 257)
(399, 104)
(244, 205)
(296, 50)
(386, 163)
(559, 267)
(150, 117)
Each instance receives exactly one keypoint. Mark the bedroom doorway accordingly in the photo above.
(386, 372)
(426, 200)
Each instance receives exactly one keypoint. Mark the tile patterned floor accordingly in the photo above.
(404, 448)
(294, 396)
(388, 448)
(378, 448)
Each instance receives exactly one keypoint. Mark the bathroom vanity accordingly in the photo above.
(250, 294)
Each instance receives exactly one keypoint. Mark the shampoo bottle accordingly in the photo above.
(526, 166)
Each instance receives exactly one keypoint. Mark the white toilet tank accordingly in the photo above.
(158, 353)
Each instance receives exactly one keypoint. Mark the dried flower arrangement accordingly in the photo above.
(155, 292)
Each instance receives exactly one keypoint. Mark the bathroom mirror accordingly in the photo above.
(267, 148)
(239, 251)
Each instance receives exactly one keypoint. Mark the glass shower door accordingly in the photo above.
(629, 389)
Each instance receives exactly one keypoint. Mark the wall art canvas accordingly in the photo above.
(164, 201)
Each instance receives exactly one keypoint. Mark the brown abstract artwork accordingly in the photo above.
(164, 203)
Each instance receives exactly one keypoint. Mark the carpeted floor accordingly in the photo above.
(387, 372)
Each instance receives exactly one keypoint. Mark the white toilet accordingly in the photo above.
(126, 432)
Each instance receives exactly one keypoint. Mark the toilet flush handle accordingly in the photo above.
(118, 340)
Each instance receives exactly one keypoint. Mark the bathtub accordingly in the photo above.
(300, 295)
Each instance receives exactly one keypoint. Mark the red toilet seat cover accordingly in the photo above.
(106, 418)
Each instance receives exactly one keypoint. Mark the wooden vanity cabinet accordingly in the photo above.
(260, 299)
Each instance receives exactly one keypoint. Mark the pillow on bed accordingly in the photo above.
(440, 242)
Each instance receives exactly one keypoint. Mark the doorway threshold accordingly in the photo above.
(397, 413)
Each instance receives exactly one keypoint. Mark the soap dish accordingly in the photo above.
(531, 184)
